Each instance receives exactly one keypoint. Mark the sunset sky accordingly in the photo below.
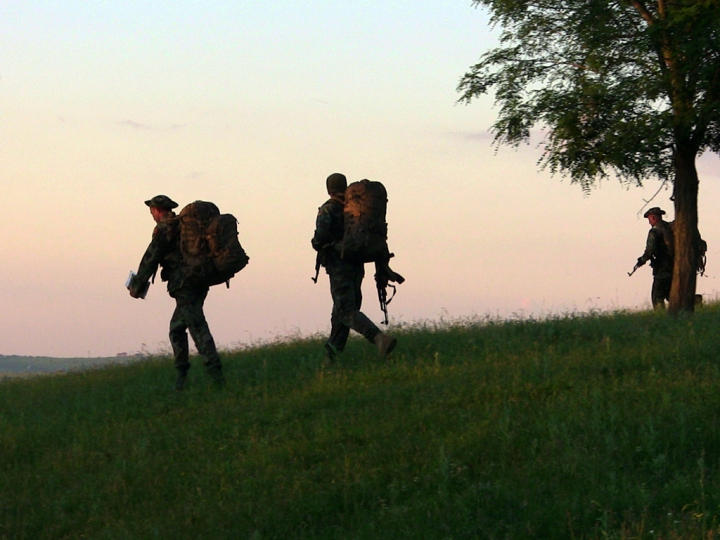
(252, 105)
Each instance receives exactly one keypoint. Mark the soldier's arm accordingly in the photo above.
(650, 247)
(153, 256)
(323, 228)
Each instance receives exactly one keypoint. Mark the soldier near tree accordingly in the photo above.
(659, 250)
(346, 277)
(164, 251)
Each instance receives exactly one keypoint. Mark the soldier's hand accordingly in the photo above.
(640, 261)
(133, 288)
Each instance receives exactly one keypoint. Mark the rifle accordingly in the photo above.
(318, 264)
(382, 297)
(637, 265)
(383, 275)
(320, 260)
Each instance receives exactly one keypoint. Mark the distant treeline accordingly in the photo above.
(45, 364)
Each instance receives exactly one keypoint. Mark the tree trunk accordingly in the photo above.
(682, 292)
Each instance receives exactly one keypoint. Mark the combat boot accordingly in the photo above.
(181, 380)
(330, 355)
(385, 344)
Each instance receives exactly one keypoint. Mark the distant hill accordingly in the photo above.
(45, 364)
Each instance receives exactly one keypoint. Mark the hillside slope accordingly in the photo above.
(595, 426)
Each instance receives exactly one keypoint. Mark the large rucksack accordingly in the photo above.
(209, 244)
(365, 228)
(702, 255)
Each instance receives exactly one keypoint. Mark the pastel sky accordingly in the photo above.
(251, 105)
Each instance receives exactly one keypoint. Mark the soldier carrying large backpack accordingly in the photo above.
(196, 249)
(660, 251)
(350, 230)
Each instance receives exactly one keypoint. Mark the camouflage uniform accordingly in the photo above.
(164, 251)
(345, 281)
(661, 261)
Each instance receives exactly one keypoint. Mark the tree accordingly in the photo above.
(623, 87)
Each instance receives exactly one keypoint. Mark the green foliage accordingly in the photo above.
(619, 87)
(595, 426)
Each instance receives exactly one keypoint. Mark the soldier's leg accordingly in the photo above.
(179, 340)
(181, 350)
(194, 317)
(666, 285)
(658, 302)
(660, 290)
(384, 343)
(339, 332)
(347, 293)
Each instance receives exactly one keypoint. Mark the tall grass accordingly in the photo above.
(593, 426)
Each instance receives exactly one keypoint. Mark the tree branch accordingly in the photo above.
(648, 201)
(643, 11)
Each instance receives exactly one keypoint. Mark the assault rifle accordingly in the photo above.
(320, 260)
(638, 264)
(383, 276)
(318, 264)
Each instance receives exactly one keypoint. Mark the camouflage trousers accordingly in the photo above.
(189, 315)
(660, 289)
(346, 290)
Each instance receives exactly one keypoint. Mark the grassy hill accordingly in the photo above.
(597, 426)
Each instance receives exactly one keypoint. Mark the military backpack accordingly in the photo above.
(209, 244)
(365, 229)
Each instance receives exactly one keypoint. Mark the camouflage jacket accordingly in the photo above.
(164, 251)
(329, 230)
(656, 248)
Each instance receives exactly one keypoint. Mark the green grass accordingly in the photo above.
(592, 426)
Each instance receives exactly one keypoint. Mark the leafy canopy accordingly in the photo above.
(618, 86)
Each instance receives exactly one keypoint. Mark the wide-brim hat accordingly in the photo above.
(655, 210)
(163, 202)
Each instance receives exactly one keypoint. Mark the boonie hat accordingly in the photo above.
(163, 202)
(655, 210)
